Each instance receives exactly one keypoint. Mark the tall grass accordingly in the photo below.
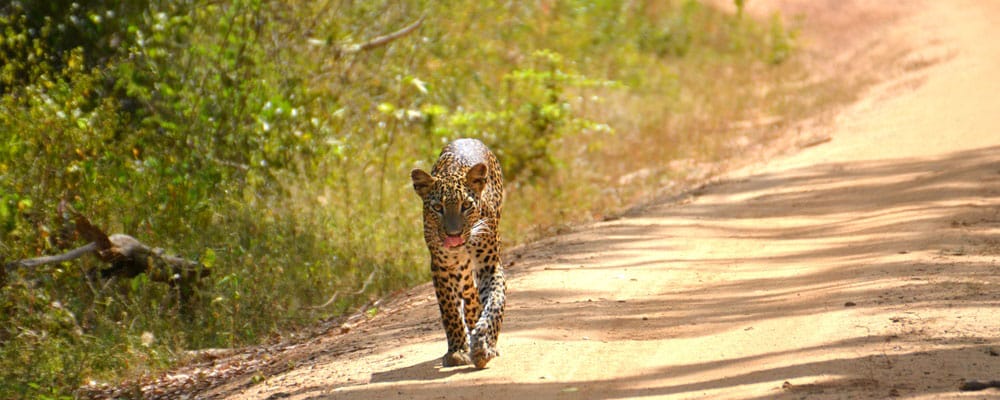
(240, 134)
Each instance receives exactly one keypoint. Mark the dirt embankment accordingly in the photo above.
(865, 267)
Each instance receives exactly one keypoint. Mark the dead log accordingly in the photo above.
(129, 257)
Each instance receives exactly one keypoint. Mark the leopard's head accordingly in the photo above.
(451, 203)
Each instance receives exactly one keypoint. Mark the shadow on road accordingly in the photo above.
(848, 381)
(424, 371)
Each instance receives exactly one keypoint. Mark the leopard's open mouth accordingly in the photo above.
(453, 241)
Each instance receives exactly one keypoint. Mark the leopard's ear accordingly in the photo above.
(476, 178)
(422, 182)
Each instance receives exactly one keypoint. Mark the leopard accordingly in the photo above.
(462, 198)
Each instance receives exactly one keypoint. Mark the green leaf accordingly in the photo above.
(24, 205)
(208, 257)
(386, 108)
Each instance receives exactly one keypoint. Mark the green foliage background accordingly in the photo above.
(236, 133)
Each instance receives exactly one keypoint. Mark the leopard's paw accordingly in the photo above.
(455, 359)
(482, 352)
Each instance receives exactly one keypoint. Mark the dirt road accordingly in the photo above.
(865, 267)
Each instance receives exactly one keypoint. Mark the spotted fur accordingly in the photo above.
(462, 198)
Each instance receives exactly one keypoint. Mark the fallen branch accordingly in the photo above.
(69, 255)
(127, 255)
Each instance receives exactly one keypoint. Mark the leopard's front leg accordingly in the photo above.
(492, 295)
(454, 303)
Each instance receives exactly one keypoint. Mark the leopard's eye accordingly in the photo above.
(466, 205)
(437, 207)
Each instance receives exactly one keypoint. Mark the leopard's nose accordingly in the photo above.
(453, 223)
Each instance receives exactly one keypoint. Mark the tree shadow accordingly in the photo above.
(927, 206)
(845, 380)
(946, 208)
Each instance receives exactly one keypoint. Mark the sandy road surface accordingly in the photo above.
(866, 267)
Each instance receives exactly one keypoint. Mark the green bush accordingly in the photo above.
(241, 134)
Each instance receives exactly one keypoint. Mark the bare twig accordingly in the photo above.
(233, 164)
(328, 302)
(368, 281)
(336, 294)
(380, 40)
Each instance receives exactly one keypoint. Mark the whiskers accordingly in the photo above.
(479, 228)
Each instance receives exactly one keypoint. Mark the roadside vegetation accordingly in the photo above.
(272, 142)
